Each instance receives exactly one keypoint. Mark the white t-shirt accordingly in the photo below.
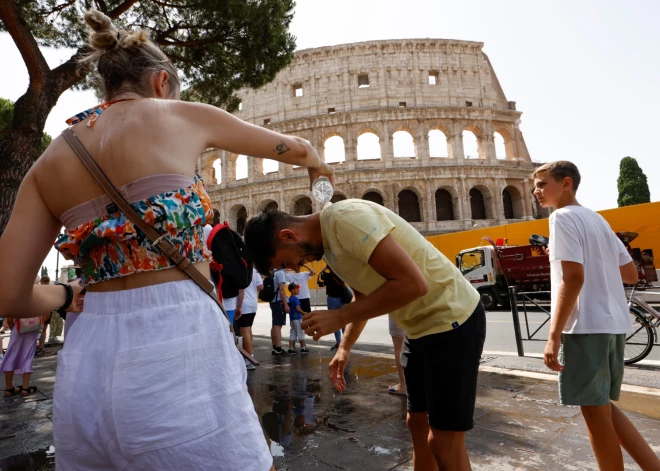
(580, 235)
(301, 279)
(230, 303)
(207, 231)
(250, 301)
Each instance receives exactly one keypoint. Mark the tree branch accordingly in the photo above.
(68, 73)
(20, 32)
(198, 42)
(58, 8)
(102, 6)
(121, 9)
(165, 4)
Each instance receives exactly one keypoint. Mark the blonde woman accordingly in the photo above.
(134, 390)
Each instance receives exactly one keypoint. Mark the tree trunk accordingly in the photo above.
(19, 145)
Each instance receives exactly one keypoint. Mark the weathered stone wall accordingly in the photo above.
(462, 95)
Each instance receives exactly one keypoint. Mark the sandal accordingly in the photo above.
(12, 391)
(29, 390)
(392, 390)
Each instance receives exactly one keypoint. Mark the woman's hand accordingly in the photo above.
(78, 297)
(324, 170)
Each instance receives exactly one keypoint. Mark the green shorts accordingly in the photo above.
(593, 368)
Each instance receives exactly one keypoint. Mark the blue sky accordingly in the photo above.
(585, 74)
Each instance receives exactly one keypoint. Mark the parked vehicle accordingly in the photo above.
(643, 259)
(494, 267)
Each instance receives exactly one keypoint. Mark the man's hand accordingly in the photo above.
(238, 313)
(551, 354)
(78, 302)
(316, 324)
(286, 308)
(337, 367)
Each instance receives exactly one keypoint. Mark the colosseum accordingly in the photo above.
(421, 126)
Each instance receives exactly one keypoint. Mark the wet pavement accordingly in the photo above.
(519, 425)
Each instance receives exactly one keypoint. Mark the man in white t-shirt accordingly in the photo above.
(248, 311)
(590, 318)
(301, 278)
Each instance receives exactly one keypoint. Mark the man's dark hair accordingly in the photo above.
(261, 237)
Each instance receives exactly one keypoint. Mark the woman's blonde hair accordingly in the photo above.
(126, 60)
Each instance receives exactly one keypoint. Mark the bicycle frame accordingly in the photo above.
(653, 316)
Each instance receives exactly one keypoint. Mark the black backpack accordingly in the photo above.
(229, 250)
(267, 293)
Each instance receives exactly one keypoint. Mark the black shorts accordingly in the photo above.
(246, 320)
(441, 373)
(279, 316)
(305, 305)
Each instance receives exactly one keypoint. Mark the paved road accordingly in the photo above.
(500, 339)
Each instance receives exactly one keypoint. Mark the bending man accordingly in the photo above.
(392, 269)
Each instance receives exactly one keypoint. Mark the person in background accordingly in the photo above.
(334, 287)
(301, 278)
(279, 309)
(249, 311)
(45, 280)
(397, 333)
(295, 315)
(4, 326)
(590, 316)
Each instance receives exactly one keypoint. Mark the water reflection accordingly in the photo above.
(40, 460)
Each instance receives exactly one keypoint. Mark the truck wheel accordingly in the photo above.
(488, 299)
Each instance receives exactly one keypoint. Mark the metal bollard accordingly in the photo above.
(513, 299)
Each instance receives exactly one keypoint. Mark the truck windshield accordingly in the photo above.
(471, 261)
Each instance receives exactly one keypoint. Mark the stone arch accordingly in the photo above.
(507, 141)
(512, 203)
(472, 146)
(334, 148)
(268, 204)
(374, 196)
(446, 198)
(368, 145)
(337, 196)
(409, 205)
(240, 166)
(481, 202)
(217, 171)
(403, 143)
(438, 140)
(237, 218)
(302, 206)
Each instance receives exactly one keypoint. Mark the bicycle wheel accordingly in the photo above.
(640, 342)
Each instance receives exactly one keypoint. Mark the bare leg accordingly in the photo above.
(26, 380)
(246, 332)
(398, 346)
(418, 426)
(42, 339)
(633, 442)
(276, 335)
(9, 381)
(449, 450)
(603, 437)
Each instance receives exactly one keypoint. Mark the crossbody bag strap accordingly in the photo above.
(158, 240)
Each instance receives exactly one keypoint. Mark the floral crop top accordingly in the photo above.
(112, 247)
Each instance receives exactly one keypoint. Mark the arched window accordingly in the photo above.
(470, 145)
(238, 218)
(270, 166)
(409, 206)
(217, 171)
(303, 207)
(268, 204)
(512, 203)
(444, 206)
(333, 149)
(368, 146)
(374, 197)
(477, 204)
(403, 143)
(241, 167)
(438, 144)
(500, 148)
(337, 197)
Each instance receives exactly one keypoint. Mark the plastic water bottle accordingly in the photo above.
(322, 190)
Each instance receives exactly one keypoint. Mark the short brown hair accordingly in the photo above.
(45, 279)
(559, 170)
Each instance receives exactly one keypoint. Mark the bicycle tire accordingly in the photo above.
(643, 329)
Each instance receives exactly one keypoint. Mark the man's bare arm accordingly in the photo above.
(629, 273)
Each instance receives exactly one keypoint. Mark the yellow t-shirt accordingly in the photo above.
(352, 229)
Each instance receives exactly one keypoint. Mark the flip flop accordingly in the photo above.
(28, 391)
(12, 391)
(392, 390)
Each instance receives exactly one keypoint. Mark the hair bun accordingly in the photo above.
(105, 35)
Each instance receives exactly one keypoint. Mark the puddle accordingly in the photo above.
(40, 460)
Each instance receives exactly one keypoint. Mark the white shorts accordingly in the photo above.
(296, 332)
(395, 329)
(135, 390)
